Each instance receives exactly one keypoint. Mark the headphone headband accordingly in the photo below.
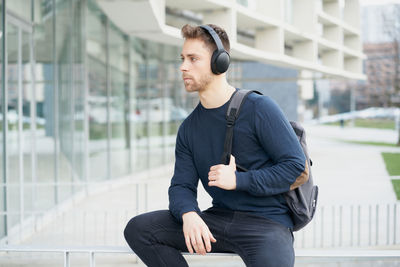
(220, 58)
(215, 37)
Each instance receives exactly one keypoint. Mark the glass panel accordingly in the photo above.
(156, 103)
(22, 8)
(139, 135)
(65, 95)
(26, 119)
(45, 106)
(119, 149)
(79, 92)
(70, 94)
(2, 179)
(12, 118)
(175, 95)
(97, 72)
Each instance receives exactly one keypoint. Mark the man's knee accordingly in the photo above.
(141, 229)
(135, 230)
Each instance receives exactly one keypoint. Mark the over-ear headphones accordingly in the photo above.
(220, 58)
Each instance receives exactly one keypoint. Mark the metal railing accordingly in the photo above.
(359, 225)
(335, 226)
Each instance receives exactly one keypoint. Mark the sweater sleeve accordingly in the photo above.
(279, 141)
(183, 189)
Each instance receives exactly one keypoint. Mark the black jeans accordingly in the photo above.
(157, 238)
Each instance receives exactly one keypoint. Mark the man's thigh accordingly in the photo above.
(161, 228)
(157, 228)
(260, 242)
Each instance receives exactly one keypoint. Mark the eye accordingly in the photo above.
(193, 59)
(182, 59)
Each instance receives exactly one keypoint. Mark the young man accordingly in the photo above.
(249, 215)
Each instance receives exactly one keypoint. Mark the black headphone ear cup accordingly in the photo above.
(220, 62)
(214, 57)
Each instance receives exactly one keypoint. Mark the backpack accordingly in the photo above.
(301, 201)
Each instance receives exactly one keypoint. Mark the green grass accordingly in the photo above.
(369, 143)
(396, 187)
(375, 123)
(392, 161)
(369, 123)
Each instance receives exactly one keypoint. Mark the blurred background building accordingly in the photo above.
(380, 41)
(91, 91)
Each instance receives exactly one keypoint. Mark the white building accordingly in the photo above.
(321, 36)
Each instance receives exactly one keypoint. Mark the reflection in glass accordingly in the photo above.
(139, 113)
(97, 102)
(119, 144)
(21, 8)
(13, 116)
(156, 102)
(87, 73)
(2, 179)
(44, 118)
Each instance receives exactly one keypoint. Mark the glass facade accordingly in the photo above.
(83, 103)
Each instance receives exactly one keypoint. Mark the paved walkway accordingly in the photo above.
(345, 173)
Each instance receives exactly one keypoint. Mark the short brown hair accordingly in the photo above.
(196, 32)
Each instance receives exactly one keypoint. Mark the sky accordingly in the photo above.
(378, 2)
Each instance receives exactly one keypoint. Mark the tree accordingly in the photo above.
(391, 27)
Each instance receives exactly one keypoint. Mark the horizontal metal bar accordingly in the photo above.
(319, 253)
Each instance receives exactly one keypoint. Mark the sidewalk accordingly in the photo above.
(350, 173)
(345, 173)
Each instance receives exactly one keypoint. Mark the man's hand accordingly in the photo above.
(223, 176)
(196, 233)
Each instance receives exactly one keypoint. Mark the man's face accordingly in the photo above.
(195, 67)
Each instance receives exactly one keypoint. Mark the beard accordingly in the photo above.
(193, 85)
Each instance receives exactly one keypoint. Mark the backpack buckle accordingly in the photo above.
(230, 121)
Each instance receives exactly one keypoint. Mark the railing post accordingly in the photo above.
(340, 224)
(66, 258)
(351, 225)
(315, 232)
(394, 223)
(359, 226)
(370, 225)
(387, 223)
(92, 262)
(146, 192)
(137, 198)
(333, 226)
(322, 227)
(377, 224)
(105, 228)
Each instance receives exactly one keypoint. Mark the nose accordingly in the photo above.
(183, 66)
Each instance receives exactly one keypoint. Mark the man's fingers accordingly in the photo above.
(215, 167)
(206, 238)
(199, 244)
(212, 183)
(188, 244)
(194, 243)
(212, 238)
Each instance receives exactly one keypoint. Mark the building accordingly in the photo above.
(91, 92)
(380, 67)
(380, 36)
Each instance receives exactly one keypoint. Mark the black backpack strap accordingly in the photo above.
(235, 104)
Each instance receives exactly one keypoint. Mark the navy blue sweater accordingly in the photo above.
(263, 142)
